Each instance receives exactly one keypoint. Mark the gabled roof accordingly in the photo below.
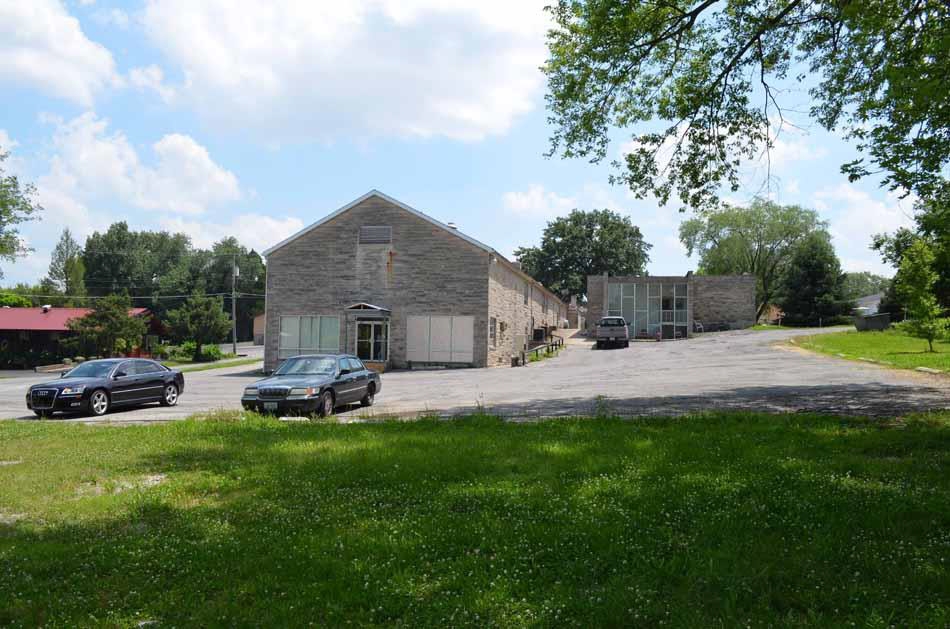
(365, 306)
(417, 213)
(52, 320)
(389, 199)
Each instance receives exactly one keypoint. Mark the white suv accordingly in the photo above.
(612, 330)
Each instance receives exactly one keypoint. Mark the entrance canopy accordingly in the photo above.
(365, 306)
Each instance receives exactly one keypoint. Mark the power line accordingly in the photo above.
(239, 296)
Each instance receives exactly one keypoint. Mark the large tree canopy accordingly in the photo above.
(582, 244)
(758, 240)
(709, 75)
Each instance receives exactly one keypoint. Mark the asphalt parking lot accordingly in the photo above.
(740, 370)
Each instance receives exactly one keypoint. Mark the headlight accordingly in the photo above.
(305, 391)
(73, 390)
(251, 391)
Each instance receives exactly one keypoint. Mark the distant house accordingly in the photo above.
(29, 335)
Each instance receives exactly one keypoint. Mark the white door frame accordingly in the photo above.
(356, 338)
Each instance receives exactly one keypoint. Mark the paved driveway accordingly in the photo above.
(732, 370)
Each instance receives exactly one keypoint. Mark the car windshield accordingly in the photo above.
(306, 366)
(91, 370)
(612, 323)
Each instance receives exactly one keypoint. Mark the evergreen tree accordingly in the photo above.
(200, 319)
(813, 286)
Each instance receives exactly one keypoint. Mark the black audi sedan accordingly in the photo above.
(317, 384)
(96, 386)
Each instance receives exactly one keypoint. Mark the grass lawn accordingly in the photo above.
(889, 347)
(220, 364)
(707, 521)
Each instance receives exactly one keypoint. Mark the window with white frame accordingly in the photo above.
(493, 331)
(308, 334)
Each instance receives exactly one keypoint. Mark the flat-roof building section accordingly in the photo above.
(672, 307)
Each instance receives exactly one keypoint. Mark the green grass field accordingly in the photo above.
(889, 347)
(709, 521)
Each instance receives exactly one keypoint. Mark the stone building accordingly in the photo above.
(671, 306)
(398, 288)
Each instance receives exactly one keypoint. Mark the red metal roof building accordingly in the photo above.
(46, 319)
(34, 336)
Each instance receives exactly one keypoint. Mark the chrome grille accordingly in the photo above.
(43, 398)
(273, 392)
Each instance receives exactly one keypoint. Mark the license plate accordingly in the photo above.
(270, 406)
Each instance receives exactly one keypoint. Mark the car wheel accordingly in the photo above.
(626, 343)
(370, 396)
(170, 395)
(325, 404)
(600, 345)
(99, 403)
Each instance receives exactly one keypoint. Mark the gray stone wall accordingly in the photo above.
(724, 299)
(596, 299)
(506, 303)
(425, 271)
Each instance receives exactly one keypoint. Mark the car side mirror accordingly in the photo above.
(63, 374)
(119, 374)
(344, 371)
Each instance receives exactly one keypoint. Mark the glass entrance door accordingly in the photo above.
(372, 340)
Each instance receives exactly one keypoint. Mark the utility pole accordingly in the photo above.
(234, 274)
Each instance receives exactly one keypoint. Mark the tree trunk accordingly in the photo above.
(197, 357)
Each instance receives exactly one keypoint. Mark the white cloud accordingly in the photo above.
(152, 78)
(855, 217)
(90, 164)
(255, 231)
(41, 45)
(788, 148)
(462, 69)
(7, 143)
(538, 202)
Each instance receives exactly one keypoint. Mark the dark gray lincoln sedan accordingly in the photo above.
(304, 385)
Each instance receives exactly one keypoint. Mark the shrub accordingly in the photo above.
(67, 361)
(210, 353)
(79, 359)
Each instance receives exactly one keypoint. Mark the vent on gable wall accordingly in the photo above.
(376, 235)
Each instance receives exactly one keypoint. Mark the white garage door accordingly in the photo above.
(439, 339)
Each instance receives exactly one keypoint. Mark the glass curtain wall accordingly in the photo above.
(651, 308)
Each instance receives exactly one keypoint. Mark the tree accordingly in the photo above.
(109, 325)
(702, 79)
(932, 216)
(758, 240)
(812, 291)
(915, 284)
(250, 281)
(863, 283)
(13, 300)
(66, 249)
(581, 244)
(122, 259)
(200, 319)
(17, 205)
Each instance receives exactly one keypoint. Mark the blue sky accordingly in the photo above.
(227, 117)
